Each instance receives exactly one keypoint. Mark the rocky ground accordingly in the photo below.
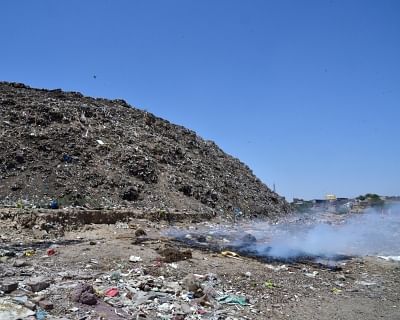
(130, 269)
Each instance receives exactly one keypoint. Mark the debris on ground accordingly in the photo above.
(103, 281)
(232, 299)
(170, 254)
(231, 254)
(135, 259)
(10, 310)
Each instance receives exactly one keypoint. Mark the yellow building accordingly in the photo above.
(330, 197)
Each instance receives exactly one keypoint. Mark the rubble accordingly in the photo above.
(12, 311)
(100, 281)
(37, 284)
(8, 286)
(46, 304)
(84, 293)
(173, 255)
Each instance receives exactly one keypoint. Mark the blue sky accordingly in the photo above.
(305, 92)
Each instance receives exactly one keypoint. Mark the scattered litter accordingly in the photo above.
(12, 311)
(111, 292)
(29, 253)
(311, 274)
(336, 290)
(277, 268)
(116, 275)
(41, 314)
(51, 252)
(366, 283)
(269, 284)
(233, 299)
(231, 254)
(67, 158)
(54, 204)
(135, 259)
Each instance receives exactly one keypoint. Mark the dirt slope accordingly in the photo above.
(91, 152)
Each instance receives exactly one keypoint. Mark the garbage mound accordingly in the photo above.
(62, 149)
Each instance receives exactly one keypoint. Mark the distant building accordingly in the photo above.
(320, 203)
(298, 201)
(330, 197)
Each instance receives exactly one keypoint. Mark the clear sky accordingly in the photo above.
(307, 93)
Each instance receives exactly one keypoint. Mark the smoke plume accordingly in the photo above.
(318, 235)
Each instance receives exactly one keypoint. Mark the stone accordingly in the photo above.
(38, 284)
(131, 194)
(4, 259)
(20, 263)
(46, 304)
(191, 283)
(340, 277)
(84, 293)
(37, 299)
(30, 305)
(140, 232)
(9, 286)
(88, 298)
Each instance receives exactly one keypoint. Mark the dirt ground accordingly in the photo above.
(99, 255)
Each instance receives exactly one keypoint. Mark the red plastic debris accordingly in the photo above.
(158, 263)
(51, 252)
(112, 292)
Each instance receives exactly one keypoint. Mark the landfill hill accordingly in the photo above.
(98, 153)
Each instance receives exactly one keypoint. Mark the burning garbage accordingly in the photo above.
(307, 238)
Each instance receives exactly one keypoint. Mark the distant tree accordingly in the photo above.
(373, 198)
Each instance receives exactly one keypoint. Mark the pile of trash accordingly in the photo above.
(61, 149)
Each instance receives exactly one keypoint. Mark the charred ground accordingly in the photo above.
(83, 151)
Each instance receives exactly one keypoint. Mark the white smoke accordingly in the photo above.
(370, 233)
(315, 235)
